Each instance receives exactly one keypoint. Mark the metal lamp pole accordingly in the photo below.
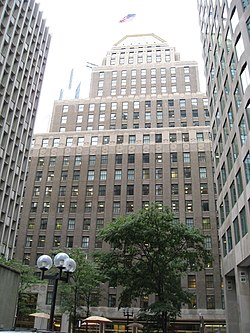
(127, 313)
(65, 264)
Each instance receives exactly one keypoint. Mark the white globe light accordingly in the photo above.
(44, 262)
(59, 260)
(70, 265)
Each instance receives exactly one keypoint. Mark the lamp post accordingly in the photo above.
(202, 326)
(65, 264)
(127, 313)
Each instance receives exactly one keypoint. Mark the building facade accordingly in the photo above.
(141, 136)
(24, 44)
(225, 31)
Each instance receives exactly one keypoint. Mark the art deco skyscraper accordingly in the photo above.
(142, 136)
(24, 44)
(225, 32)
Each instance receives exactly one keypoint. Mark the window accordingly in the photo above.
(145, 158)
(158, 138)
(236, 230)
(65, 160)
(76, 175)
(103, 174)
(52, 161)
(190, 222)
(100, 206)
(174, 173)
(118, 174)
(45, 143)
(130, 206)
(239, 182)
(86, 224)
(174, 189)
(145, 173)
(60, 207)
(118, 158)
(188, 188)
(57, 241)
(117, 189)
(74, 191)
(44, 223)
(94, 140)
(41, 241)
(80, 141)
(243, 131)
(229, 239)
(131, 139)
(203, 172)
(186, 157)
(116, 207)
(56, 142)
(247, 167)
(206, 225)
(201, 156)
(158, 158)
(204, 188)
(58, 224)
(243, 222)
(173, 157)
(69, 142)
(208, 242)
(210, 302)
(130, 189)
(99, 224)
(46, 206)
(131, 174)
(187, 172)
(205, 205)
(158, 189)
(191, 281)
(200, 136)
(85, 242)
(158, 173)
(209, 281)
(188, 206)
(71, 224)
(92, 159)
(102, 190)
(78, 160)
(88, 207)
(64, 175)
(146, 138)
(91, 175)
(172, 137)
(104, 159)
(175, 206)
(145, 189)
(131, 158)
(185, 137)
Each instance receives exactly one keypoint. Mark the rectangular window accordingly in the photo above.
(71, 224)
(86, 224)
(102, 190)
(103, 174)
(191, 281)
(131, 174)
(145, 173)
(85, 242)
(116, 207)
(243, 222)
(186, 157)
(131, 139)
(118, 174)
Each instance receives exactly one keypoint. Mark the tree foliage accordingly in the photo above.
(83, 287)
(150, 253)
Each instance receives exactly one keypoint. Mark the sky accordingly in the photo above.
(85, 30)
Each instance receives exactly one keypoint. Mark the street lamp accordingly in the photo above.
(127, 313)
(65, 264)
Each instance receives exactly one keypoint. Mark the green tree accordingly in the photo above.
(150, 253)
(82, 289)
(27, 278)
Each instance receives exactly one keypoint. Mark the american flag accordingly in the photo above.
(127, 18)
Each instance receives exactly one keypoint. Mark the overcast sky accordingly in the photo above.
(84, 30)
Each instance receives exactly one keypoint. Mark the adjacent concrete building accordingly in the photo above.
(142, 136)
(225, 31)
(24, 44)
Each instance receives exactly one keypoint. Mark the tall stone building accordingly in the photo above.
(142, 136)
(225, 31)
(24, 45)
